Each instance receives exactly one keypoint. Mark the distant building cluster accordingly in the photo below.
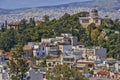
(56, 13)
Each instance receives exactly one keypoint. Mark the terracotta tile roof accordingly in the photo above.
(14, 24)
(118, 75)
(25, 60)
(1, 51)
(103, 73)
(26, 47)
(28, 61)
(91, 63)
(8, 54)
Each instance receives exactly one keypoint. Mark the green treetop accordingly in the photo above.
(18, 65)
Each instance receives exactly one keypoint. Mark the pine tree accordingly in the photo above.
(18, 66)
(46, 18)
(31, 23)
(117, 50)
(64, 72)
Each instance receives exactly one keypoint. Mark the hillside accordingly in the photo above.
(106, 35)
(106, 5)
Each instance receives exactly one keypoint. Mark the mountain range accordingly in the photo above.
(109, 5)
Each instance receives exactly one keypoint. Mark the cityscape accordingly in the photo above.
(71, 41)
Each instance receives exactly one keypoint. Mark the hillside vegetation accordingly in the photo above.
(106, 35)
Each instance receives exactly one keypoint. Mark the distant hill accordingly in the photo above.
(106, 5)
(111, 6)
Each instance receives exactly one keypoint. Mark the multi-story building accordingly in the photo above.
(52, 62)
(65, 47)
(77, 54)
(14, 25)
(66, 38)
(39, 50)
(92, 18)
(67, 59)
(84, 66)
(93, 53)
(52, 50)
(27, 51)
(117, 67)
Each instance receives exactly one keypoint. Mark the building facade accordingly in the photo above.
(92, 18)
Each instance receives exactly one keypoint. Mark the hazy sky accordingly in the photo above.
(14, 4)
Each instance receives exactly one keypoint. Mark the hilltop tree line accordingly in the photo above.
(106, 35)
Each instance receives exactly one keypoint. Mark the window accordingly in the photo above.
(96, 21)
(53, 62)
(0, 70)
(85, 21)
(43, 53)
(72, 59)
(37, 53)
(43, 48)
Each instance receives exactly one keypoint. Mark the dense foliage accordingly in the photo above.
(105, 35)
(18, 65)
(63, 72)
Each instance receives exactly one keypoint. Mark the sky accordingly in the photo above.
(15, 4)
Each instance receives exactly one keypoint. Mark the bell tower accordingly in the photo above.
(94, 13)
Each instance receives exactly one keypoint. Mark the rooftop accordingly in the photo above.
(1, 51)
(14, 24)
(26, 47)
(8, 54)
(53, 59)
(103, 73)
(90, 63)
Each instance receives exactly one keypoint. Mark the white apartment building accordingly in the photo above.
(117, 66)
(64, 38)
(52, 50)
(93, 53)
(65, 47)
(39, 50)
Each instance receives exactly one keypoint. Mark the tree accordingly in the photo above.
(117, 48)
(63, 72)
(31, 22)
(107, 23)
(18, 65)
(43, 63)
(65, 16)
(8, 39)
(94, 34)
(23, 24)
(46, 18)
(90, 27)
(101, 41)
(113, 45)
